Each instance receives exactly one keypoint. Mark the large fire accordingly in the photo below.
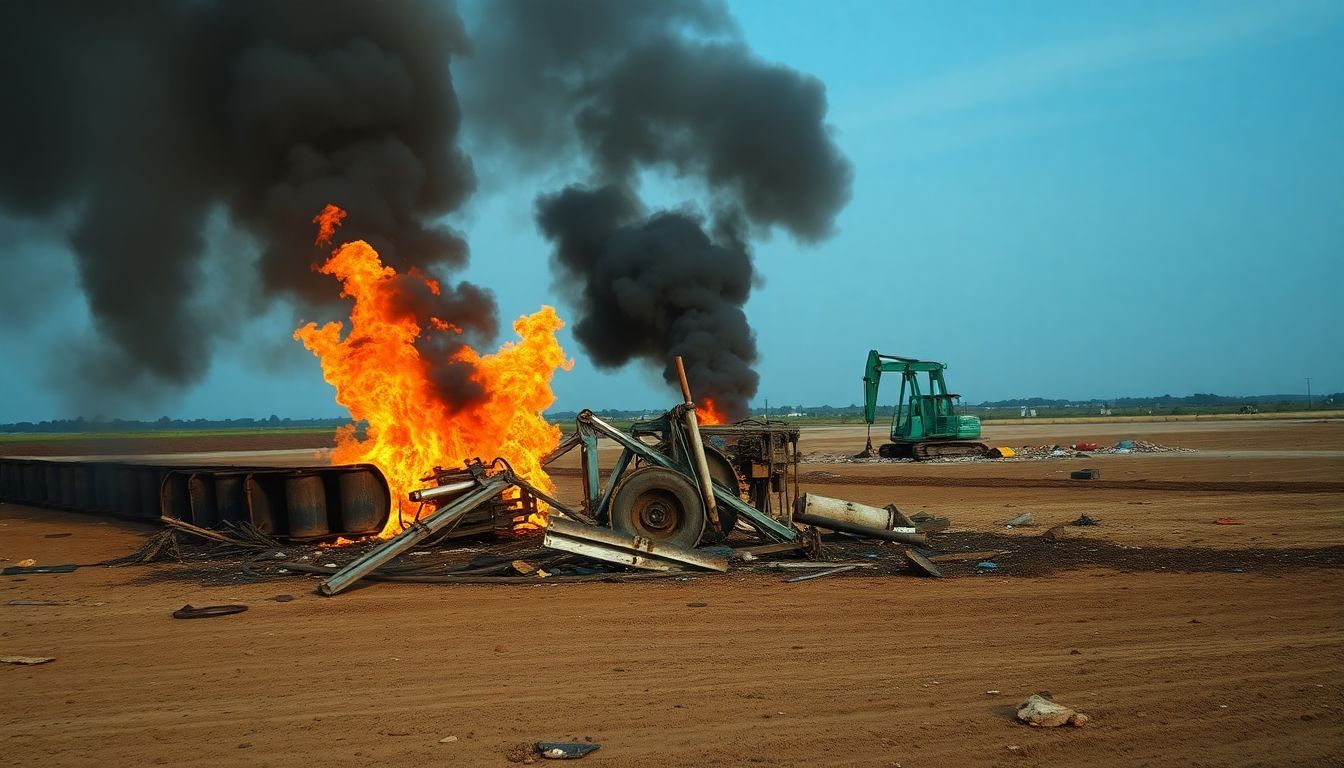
(381, 379)
(708, 414)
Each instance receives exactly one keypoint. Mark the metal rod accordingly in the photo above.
(566, 445)
(448, 489)
(417, 532)
(859, 530)
(698, 449)
(819, 574)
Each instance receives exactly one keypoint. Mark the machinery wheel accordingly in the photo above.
(659, 504)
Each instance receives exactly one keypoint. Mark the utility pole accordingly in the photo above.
(1308, 393)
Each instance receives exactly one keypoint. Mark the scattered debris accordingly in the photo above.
(993, 692)
(1042, 711)
(926, 523)
(961, 557)
(1086, 474)
(1085, 520)
(922, 564)
(987, 565)
(26, 660)
(207, 611)
(22, 570)
(565, 750)
(637, 551)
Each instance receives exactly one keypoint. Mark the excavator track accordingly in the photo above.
(949, 449)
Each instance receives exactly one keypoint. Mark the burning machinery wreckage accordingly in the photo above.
(680, 497)
(667, 494)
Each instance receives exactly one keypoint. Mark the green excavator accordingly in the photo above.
(926, 424)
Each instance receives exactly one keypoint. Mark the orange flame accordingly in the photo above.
(708, 414)
(380, 378)
(327, 221)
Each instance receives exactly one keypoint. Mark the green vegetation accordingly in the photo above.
(1126, 408)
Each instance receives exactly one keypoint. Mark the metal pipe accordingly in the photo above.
(859, 530)
(439, 491)
(698, 449)
(417, 532)
(851, 512)
(819, 574)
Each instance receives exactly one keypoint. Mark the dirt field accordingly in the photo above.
(1240, 663)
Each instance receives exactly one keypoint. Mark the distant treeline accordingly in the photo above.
(1199, 398)
(166, 424)
(1165, 405)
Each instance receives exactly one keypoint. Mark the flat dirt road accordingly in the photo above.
(1237, 659)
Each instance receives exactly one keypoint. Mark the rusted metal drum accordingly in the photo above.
(204, 511)
(11, 481)
(82, 482)
(66, 478)
(306, 505)
(104, 487)
(34, 484)
(150, 483)
(229, 498)
(265, 503)
(51, 477)
(128, 491)
(363, 502)
(174, 499)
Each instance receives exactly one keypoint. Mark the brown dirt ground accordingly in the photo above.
(1201, 665)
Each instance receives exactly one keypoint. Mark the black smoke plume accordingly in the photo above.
(653, 287)
(138, 120)
(665, 86)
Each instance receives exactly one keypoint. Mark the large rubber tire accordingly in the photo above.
(658, 504)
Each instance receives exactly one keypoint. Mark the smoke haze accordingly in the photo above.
(138, 123)
(662, 86)
(140, 119)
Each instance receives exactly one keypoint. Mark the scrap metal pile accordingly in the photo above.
(678, 498)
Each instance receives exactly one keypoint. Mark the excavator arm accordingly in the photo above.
(877, 365)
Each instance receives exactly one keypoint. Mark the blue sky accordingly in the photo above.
(1059, 199)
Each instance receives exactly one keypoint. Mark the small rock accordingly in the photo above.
(283, 598)
(447, 739)
(994, 692)
(1041, 711)
(27, 563)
